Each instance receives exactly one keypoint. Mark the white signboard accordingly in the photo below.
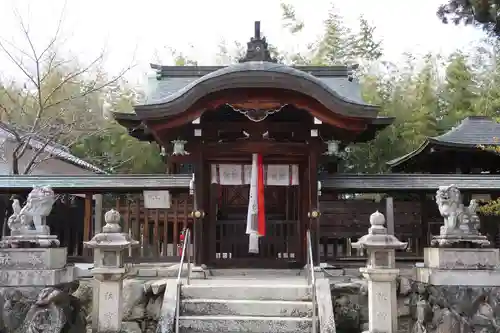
(157, 199)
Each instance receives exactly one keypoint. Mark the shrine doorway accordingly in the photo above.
(281, 247)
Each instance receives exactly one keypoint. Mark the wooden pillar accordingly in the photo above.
(98, 213)
(87, 222)
(314, 203)
(389, 215)
(199, 204)
(205, 222)
(424, 240)
(211, 221)
(303, 209)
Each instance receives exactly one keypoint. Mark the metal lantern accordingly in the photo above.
(179, 147)
(333, 148)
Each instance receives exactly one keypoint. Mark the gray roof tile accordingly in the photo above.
(159, 90)
(359, 183)
(96, 183)
(404, 182)
(472, 131)
(56, 150)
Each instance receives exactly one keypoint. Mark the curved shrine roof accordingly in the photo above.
(472, 132)
(175, 88)
(174, 82)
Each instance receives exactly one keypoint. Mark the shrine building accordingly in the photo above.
(212, 121)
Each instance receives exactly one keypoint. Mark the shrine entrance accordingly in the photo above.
(280, 247)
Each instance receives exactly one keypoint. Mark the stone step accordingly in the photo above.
(205, 324)
(228, 307)
(234, 272)
(280, 292)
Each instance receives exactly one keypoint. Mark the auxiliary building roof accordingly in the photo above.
(472, 133)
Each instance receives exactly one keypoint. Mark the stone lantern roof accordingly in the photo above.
(111, 238)
(377, 237)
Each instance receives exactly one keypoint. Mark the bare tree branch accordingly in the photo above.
(60, 107)
(93, 89)
(68, 79)
(55, 36)
(17, 63)
(38, 152)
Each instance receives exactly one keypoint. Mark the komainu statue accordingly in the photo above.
(461, 223)
(28, 224)
(31, 217)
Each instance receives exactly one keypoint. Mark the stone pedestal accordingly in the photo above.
(382, 299)
(381, 274)
(34, 267)
(461, 258)
(109, 271)
(460, 267)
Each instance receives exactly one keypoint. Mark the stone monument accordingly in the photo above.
(381, 274)
(31, 256)
(109, 271)
(459, 255)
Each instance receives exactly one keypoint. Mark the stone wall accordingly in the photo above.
(422, 308)
(142, 301)
(39, 309)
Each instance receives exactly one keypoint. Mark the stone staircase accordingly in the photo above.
(246, 305)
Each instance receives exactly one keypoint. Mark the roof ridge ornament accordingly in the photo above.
(257, 48)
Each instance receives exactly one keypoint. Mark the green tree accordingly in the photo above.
(480, 13)
(113, 149)
(459, 93)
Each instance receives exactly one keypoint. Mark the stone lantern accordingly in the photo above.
(381, 274)
(109, 271)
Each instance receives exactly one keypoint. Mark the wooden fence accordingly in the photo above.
(157, 230)
(342, 222)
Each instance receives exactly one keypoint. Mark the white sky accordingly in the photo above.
(131, 29)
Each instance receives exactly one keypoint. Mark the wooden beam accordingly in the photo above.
(263, 147)
(277, 127)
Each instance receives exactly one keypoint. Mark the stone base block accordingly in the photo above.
(461, 258)
(457, 277)
(29, 240)
(453, 238)
(33, 258)
(36, 277)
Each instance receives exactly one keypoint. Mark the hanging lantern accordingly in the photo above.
(179, 148)
(333, 148)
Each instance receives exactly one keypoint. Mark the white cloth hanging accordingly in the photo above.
(281, 175)
(237, 174)
(252, 215)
